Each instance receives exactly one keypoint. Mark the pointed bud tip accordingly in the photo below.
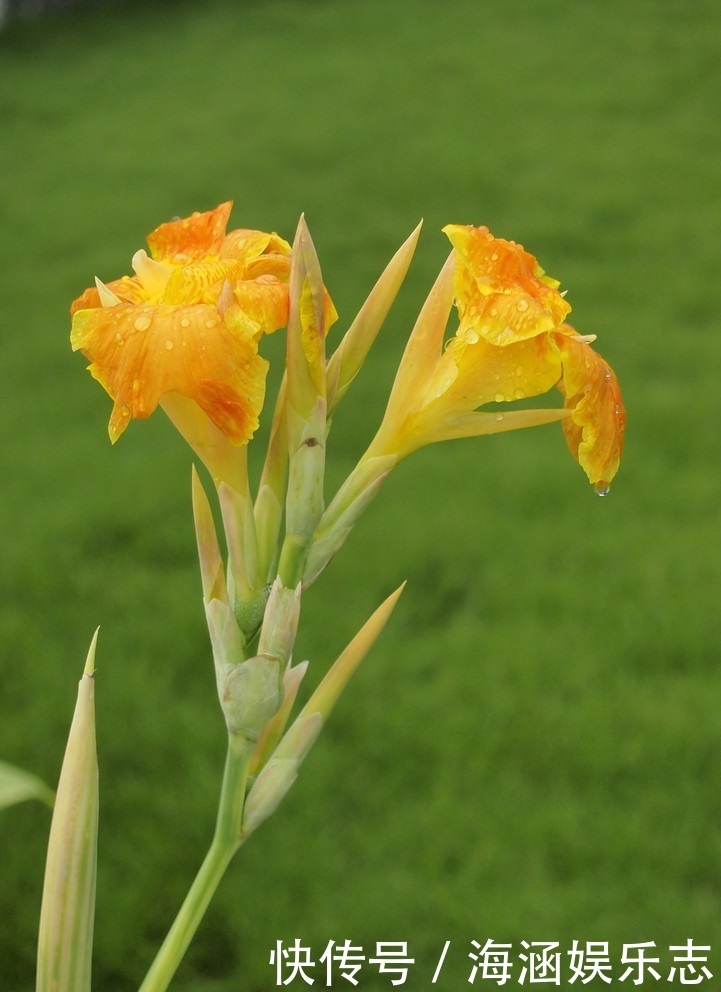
(90, 660)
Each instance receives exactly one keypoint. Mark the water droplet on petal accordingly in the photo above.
(169, 345)
(519, 370)
(470, 335)
(210, 323)
(519, 394)
(499, 416)
(494, 256)
(522, 305)
(119, 337)
(142, 322)
(607, 374)
(499, 397)
(184, 322)
(602, 488)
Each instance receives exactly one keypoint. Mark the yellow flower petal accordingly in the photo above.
(188, 323)
(265, 299)
(140, 353)
(191, 238)
(201, 282)
(594, 431)
(502, 293)
(511, 343)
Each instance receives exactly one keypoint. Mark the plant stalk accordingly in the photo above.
(226, 841)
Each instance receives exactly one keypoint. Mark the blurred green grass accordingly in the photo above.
(531, 750)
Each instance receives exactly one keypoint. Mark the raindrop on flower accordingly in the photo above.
(522, 305)
(169, 345)
(185, 322)
(519, 394)
(499, 416)
(470, 335)
(602, 488)
(142, 322)
(499, 397)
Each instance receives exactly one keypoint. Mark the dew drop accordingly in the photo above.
(142, 322)
(494, 256)
(119, 338)
(210, 323)
(607, 374)
(499, 397)
(519, 370)
(169, 345)
(602, 488)
(185, 322)
(522, 305)
(470, 335)
(499, 416)
(519, 394)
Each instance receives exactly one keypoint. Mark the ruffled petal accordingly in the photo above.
(191, 238)
(200, 282)
(594, 431)
(140, 353)
(265, 300)
(502, 293)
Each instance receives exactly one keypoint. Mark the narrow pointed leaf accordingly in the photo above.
(17, 785)
(281, 770)
(276, 725)
(350, 354)
(425, 343)
(65, 937)
(328, 692)
(211, 561)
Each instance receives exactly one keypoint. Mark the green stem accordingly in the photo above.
(225, 843)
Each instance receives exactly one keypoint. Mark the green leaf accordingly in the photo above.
(16, 786)
(65, 938)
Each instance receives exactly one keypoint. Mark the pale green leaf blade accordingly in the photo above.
(16, 786)
(65, 938)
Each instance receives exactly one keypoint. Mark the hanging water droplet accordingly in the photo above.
(142, 322)
(602, 488)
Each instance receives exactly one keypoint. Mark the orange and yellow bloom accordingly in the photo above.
(511, 343)
(188, 322)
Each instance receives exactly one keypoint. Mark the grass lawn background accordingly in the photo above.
(531, 752)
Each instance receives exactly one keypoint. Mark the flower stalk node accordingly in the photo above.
(251, 695)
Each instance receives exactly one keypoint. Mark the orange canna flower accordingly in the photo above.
(512, 342)
(188, 322)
